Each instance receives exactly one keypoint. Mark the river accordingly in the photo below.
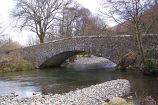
(59, 80)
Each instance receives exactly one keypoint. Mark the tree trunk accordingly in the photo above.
(139, 41)
(41, 39)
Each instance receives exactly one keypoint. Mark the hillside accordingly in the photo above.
(149, 23)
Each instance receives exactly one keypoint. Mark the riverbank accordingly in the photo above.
(93, 95)
(134, 61)
(12, 64)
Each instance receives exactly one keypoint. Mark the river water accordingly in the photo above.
(60, 80)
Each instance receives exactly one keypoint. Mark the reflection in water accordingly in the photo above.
(18, 88)
(27, 83)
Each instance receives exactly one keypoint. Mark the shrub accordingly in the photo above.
(150, 65)
(10, 64)
(131, 60)
(151, 53)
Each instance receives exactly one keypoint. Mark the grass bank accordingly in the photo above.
(12, 64)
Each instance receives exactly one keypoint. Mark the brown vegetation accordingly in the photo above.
(149, 23)
(10, 64)
(132, 61)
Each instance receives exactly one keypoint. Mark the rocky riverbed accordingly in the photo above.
(93, 95)
(92, 62)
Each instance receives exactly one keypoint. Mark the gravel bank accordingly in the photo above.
(92, 62)
(93, 95)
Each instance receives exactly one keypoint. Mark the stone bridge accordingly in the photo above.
(56, 52)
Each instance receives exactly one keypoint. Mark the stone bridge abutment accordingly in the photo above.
(56, 52)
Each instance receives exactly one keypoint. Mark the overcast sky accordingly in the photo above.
(5, 21)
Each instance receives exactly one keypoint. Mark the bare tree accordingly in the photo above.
(3, 37)
(149, 20)
(156, 2)
(38, 15)
(132, 12)
(74, 21)
(67, 23)
(88, 24)
(97, 26)
(79, 21)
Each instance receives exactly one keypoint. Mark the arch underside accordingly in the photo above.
(57, 60)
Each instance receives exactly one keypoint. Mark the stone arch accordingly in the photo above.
(58, 59)
(54, 53)
(55, 60)
(110, 47)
